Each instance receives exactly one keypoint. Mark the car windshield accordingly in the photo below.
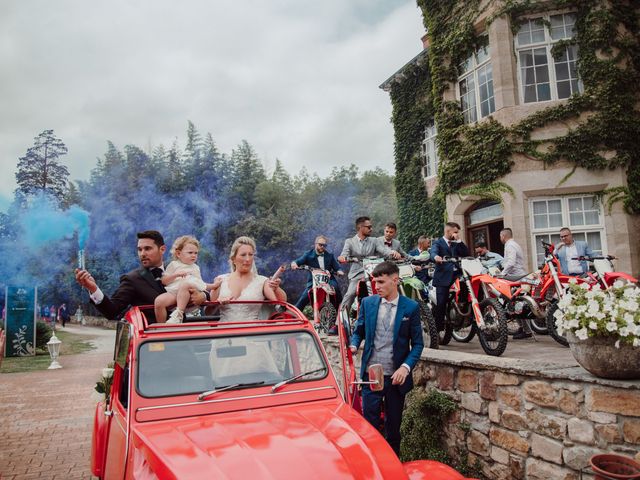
(180, 367)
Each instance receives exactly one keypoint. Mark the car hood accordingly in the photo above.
(303, 441)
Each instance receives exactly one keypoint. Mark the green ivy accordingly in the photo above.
(604, 121)
(423, 424)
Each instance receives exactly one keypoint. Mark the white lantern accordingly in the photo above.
(53, 345)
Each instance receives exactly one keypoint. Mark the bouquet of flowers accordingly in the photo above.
(103, 386)
(588, 312)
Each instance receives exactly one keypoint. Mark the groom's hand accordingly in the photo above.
(197, 297)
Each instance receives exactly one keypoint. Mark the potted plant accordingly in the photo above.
(603, 328)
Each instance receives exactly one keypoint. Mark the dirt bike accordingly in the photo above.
(322, 297)
(366, 286)
(553, 287)
(472, 309)
(412, 287)
(604, 274)
(515, 295)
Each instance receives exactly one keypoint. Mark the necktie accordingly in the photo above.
(386, 315)
(156, 272)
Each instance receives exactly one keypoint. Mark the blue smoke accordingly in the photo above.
(43, 222)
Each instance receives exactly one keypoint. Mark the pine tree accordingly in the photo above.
(40, 170)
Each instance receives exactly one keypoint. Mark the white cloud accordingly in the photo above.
(297, 79)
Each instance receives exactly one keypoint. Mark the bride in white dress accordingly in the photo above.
(243, 283)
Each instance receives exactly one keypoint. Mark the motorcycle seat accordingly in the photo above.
(512, 278)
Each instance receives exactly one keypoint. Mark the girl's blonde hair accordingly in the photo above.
(181, 242)
(234, 250)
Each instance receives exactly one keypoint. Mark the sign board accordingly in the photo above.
(20, 323)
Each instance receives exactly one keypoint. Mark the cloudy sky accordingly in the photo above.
(297, 79)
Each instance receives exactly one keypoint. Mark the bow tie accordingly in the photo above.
(156, 272)
(321, 254)
(388, 244)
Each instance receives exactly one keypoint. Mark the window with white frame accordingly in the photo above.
(475, 86)
(543, 77)
(582, 214)
(430, 151)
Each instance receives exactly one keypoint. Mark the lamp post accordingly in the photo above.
(53, 345)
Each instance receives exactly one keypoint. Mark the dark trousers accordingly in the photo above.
(393, 406)
(442, 298)
(303, 301)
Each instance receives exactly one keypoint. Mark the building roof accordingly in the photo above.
(419, 59)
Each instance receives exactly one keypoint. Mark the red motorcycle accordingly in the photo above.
(553, 288)
(322, 297)
(366, 286)
(604, 274)
(473, 307)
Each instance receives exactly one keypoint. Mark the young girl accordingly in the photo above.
(179, 276)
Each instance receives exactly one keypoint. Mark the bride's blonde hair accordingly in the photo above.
(234, 251)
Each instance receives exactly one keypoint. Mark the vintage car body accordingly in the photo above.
(153, 425)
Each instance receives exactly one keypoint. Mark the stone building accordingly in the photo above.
(525, 61)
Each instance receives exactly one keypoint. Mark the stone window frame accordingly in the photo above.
(551, 234)
(429, 150)
(543, 35)
(477, 70)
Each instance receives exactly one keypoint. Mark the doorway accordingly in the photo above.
(483, 223)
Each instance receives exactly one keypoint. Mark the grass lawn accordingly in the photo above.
(71, 345)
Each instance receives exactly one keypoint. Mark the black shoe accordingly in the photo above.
(520, 334)
(333, 330)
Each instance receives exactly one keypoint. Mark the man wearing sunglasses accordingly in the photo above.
(318, 257)
(361, 245)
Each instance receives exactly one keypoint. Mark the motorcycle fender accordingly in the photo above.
(611, 277)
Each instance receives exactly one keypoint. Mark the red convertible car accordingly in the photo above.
(236, 400)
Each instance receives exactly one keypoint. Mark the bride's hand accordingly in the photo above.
(224, 301)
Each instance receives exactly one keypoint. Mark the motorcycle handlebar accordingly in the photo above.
(307, 267)
(591, 259)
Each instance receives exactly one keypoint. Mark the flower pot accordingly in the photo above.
(599, 356)
(609, 466)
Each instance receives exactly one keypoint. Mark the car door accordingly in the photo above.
(117, 410)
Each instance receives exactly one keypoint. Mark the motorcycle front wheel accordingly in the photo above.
(493, 337)
(328, 316)
(429, 328)
(551, 324)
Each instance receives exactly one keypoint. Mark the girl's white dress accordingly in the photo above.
(193, 278)
(239, 312)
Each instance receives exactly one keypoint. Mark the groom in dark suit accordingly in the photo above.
(390, 326)
(138, 287)
(449, 245)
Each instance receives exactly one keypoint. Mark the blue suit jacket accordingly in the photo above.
(407, 334)
(583, 249)
(444, 273)
(310, 259)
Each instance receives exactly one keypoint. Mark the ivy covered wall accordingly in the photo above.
(473, 157)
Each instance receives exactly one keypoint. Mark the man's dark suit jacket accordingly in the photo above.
(444, 273)
(310, 259)
(138, 287)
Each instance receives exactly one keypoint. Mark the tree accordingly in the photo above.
(40, 171)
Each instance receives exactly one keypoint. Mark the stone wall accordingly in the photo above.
(523, 419)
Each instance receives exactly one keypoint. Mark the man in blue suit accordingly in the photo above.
(318, 257)
(449, 245)
(568, 249)
(390, 326)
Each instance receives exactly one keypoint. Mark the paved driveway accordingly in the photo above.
(46, 417)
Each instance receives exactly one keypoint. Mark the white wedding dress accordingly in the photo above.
(241, 312)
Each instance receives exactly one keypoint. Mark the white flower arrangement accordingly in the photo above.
(595, 313)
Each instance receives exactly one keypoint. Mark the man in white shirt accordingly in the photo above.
(513, 268)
